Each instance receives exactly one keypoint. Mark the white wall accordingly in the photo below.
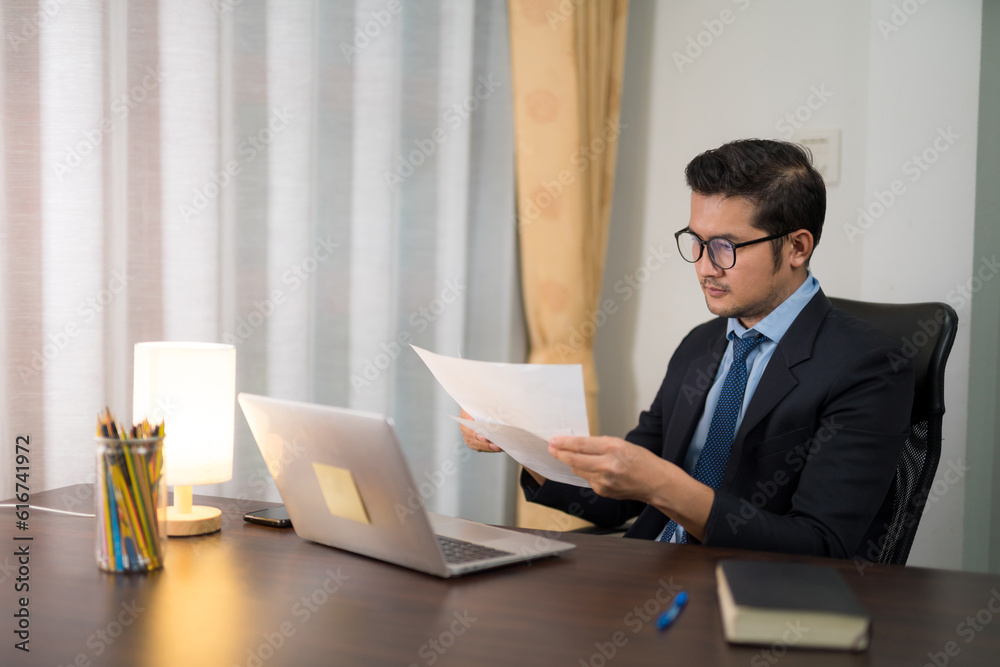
(888, 91)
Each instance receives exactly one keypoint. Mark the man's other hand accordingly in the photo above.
(473, 440)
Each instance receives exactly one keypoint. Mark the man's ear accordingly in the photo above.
(801, 247)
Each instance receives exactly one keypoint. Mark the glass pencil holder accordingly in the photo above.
(130, 504)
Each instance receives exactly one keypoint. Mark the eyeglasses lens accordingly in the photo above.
(722, 253)
(689, 247)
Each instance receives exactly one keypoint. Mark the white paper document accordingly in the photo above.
(527, 449)
(518, 406)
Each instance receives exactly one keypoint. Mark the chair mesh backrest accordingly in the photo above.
(914, 476)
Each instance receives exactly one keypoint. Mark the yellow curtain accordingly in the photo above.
(567, 61)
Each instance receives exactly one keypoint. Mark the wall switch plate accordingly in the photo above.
(825, 147)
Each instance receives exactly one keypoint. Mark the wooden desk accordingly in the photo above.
(256, 596)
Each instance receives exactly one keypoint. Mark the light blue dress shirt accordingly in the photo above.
(773, 327)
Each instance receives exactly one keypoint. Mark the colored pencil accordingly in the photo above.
(129, 535)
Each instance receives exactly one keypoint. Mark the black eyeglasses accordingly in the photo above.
(721, 252)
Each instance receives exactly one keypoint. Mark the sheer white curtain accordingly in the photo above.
(318, 183)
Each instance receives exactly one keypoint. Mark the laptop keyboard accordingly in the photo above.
(459, 551)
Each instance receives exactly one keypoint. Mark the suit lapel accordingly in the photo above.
(778, 378)
(691, 400)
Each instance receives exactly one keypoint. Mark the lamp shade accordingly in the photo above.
(192, 387)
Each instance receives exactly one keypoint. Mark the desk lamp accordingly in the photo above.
(192, 388)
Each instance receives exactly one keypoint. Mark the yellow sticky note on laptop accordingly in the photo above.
(340, 492)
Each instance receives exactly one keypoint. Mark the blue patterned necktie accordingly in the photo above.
(715, 454)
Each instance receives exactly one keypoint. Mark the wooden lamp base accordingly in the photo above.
(185, 519)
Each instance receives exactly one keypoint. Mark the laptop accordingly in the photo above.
(345, 483)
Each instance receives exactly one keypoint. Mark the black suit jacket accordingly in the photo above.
(815, 455)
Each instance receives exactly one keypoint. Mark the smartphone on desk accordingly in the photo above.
(276, 517)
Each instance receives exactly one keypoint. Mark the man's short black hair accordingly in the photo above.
(777, 177)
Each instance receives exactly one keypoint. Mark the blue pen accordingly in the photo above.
(668, 617)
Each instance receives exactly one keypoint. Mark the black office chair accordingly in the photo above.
(926, 332)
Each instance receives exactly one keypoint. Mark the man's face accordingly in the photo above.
(752, 288)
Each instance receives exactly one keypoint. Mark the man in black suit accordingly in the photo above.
(793, 449)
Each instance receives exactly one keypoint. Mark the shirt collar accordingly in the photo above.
(776, 323)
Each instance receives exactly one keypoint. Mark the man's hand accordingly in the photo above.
(473, 440)
(615, 468)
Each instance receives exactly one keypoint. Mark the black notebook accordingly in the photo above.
(794, 604)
